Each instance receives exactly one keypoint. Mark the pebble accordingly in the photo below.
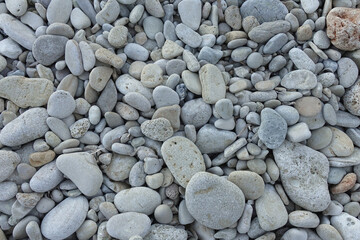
(8, 160)
(351, 160)
(9, 48)
(213, 140)
(118, 36)
(272, 129)
(119, 167)
(164, 96)
(301, 60)
(17, 7)
(275, 43)
(67, 216)
(136, 52)
(341, 20)
(183, 159)
(157, 129)
(267, 30)
(8, 190)
(264, 11)
(212, 84)
(304, 219)
(99, 77)
(159, 231)
(82, 170)
(326, 231)
(17, 31)
(109, 13)
(137, 199)
(270, 209)
(290, 114)
(73, 58)
(347, 72)
(163, 214)
(171, 50)
(340, 145)
(250, 183)
(188, 36)
(79, 19)
(190, 13)
(46, 178)
(154, 8)
(302, 106)
(59, 11)
(204, 191)
(347, 225)
(125, 225)
(351, 99)
(304, 174)
(60, 104)
(86, 230)
(108, 57)
(26, 92)
(299, 79)
(346, 184)
(27, 127)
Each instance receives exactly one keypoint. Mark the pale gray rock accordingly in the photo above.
(290, 114)
(301, 59)
(137, 199)
(304, 174)
(164, 96)
(213, 140)
(82, 170)
(109, 13)
(125, 225)
(16, 7)
(304, 219)
(183, 159)
(8, 190)
(190, 13)
(46, 178)
(152, 25)
(275, 43)
(347, 225)
(27, 127)
(270, 210)
(299, 79)
(159, 231)
(61, 104)
(273, 128)
(267, 30)
(73, 58)
(59, 11)
(213, 201)
(17, 31)
(263, 10)
(10, 48)
(8, 161)
(47, 49)
(120, 166)
(158, 129)
(67, 216)
(136, 52)
(347, 71)
(188, 36)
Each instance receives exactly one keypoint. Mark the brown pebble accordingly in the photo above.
(345, 185)
(308, 106)
(38, 159)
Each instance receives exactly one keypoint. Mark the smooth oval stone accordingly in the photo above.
(164, 96)
(352, 160)
(61, 104)
(264, 10)
(308, 106)
(17, 31)
(250, 183)
(290, 114)
(136, 52)
(138, 101)
(213, 140)
(137, 199)
(301, 60)
(26, 92)
(8, 162)
(188, 36)
(196, 112)
(299, 79)
(347, 225)
(347, 72)
(341, 145)
(273, 128)
(8, 190)
(67, 216)
(47, 49)
(320, 138)
(125, 225)
(214, 201)
(326, 231)
(192, 82)
(304, 174)
(73, 58)
(163, 231)
(82, 170)
(304, 219)
(99, 76)
(190, 13)
(152, 25)
(46, 178)
(183, 159)
(109, 13)
(59, 11)
(212, 84)
(270, 209)
(27, 127)
(275, 43)
(267, 30)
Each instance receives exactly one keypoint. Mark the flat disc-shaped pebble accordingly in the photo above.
(59, 11)
(264, 10)
(341, 145)
(183, 158)
(299, 79)
(304, 174)
(47, 49)
(347, 225)
(137, 199)
(125, 225)
(347, 71)
(214, 201)
(138, 101)
(308, 106)
(82, 170)
(250, 183)
(165, 96)
(65, 218)
(61, 104)
(212, 84)
(46, 178)
(190, 13)
(272, 129)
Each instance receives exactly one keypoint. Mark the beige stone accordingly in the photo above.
(171, 113)
(26, 92)
(38, 159)
(308, 106)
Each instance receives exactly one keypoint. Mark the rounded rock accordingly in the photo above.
(157, 129)
(213, 201)
(61, 104)
(196, 112)
(163, 214)
(250, 183)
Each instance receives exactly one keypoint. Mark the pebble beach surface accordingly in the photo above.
(180, 119)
